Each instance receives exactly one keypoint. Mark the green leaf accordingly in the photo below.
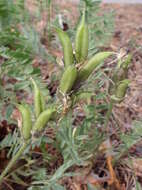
(60, 171)
(9, 111)
(138, 186)
(40, 174)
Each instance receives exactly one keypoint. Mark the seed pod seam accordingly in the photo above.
(26, 121)
(91, 65)
(68, 79)
(42, 120)
(82, 40)
(39, 102)
(67, 47)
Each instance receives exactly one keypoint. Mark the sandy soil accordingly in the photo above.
(128, 23)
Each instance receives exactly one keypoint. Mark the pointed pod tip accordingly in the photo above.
(83, 16)
(32, 80)
(125, 81)
(34, 83)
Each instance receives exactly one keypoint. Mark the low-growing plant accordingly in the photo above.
(78, 143)
(20, 43)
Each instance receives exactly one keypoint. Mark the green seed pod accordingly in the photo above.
(122, 88)
(39, 102)
(120, 72)
(89, 67)
(43, 104)
(43, 118)
(125, 62)
(81, 96)
(82, 40)
(67, 47)
(26, 121)
(68, 79)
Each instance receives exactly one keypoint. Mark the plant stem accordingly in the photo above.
(109, 113)
(12, 161)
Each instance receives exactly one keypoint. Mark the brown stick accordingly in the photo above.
(113, 178)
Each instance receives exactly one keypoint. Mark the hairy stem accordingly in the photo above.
(12, 161)
(109, 112)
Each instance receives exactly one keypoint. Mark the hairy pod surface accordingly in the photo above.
(67, 47)
(68, 79)
(126, 62)
(81, 96)
(39, 102)
(42, 102)
(121, 71)
(26, 121)
(122, 88)
(91, 65)
(82, 40)
(42, 120)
